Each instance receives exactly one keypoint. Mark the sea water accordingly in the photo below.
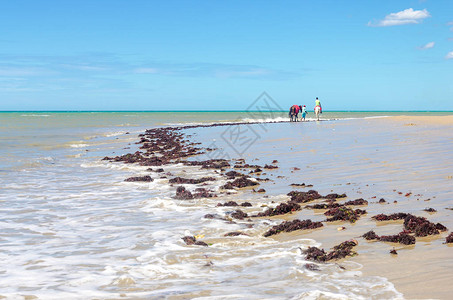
(72, 228)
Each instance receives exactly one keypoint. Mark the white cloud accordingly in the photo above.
(449, 55)
(407, 16)
(427, 46)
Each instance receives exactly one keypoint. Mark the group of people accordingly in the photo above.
(296, 109)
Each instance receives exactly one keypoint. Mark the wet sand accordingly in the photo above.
(423, 270)
(406, 160)
(424, 120)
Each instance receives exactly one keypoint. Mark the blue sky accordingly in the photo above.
(221, 55)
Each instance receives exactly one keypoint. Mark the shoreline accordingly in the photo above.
(323, 235)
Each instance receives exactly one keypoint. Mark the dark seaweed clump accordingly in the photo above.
(240, 183)
(324, 205)
(191, 240)
(344, 214)
(161, 146)
(209, 164)
(270, 167)
(183, 194)
(396, 216)
(203, 193)
(234, 233)
(146, 178)
(289, 226)
(228, 203)
(449, 238)
(303, 197)
(233, 174)
(370, 235)
(239, 214)
(301, 185)
(359, 201)
(430, 209)
(402, 238)
(281, 209)
(233, 203)
(335, 196)
(340, 251)
(180, 180)
(421, 226)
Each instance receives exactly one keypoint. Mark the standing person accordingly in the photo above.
(304, 112)
(291, 113)
(318, 108)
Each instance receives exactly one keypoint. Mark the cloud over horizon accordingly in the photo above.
(407, 16)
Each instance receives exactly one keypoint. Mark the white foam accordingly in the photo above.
(78, 145)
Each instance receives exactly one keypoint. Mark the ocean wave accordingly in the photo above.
(78, 145)
(116, 133)
(33, 115)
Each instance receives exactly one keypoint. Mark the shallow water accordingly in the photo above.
(72, 228)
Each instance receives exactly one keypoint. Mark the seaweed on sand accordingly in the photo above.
(268, 167)
(335, 196)
(303, 197)
(344, 214)
(209, 164)
(324, 205)
(370, 235)
(402, 238)
(289, 226)
(233, 174)
(240, 182)
(281, 209)
(421, 226)
(359, 201)
(340, 251)
(395, 216)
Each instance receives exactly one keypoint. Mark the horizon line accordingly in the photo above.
(181, 111)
